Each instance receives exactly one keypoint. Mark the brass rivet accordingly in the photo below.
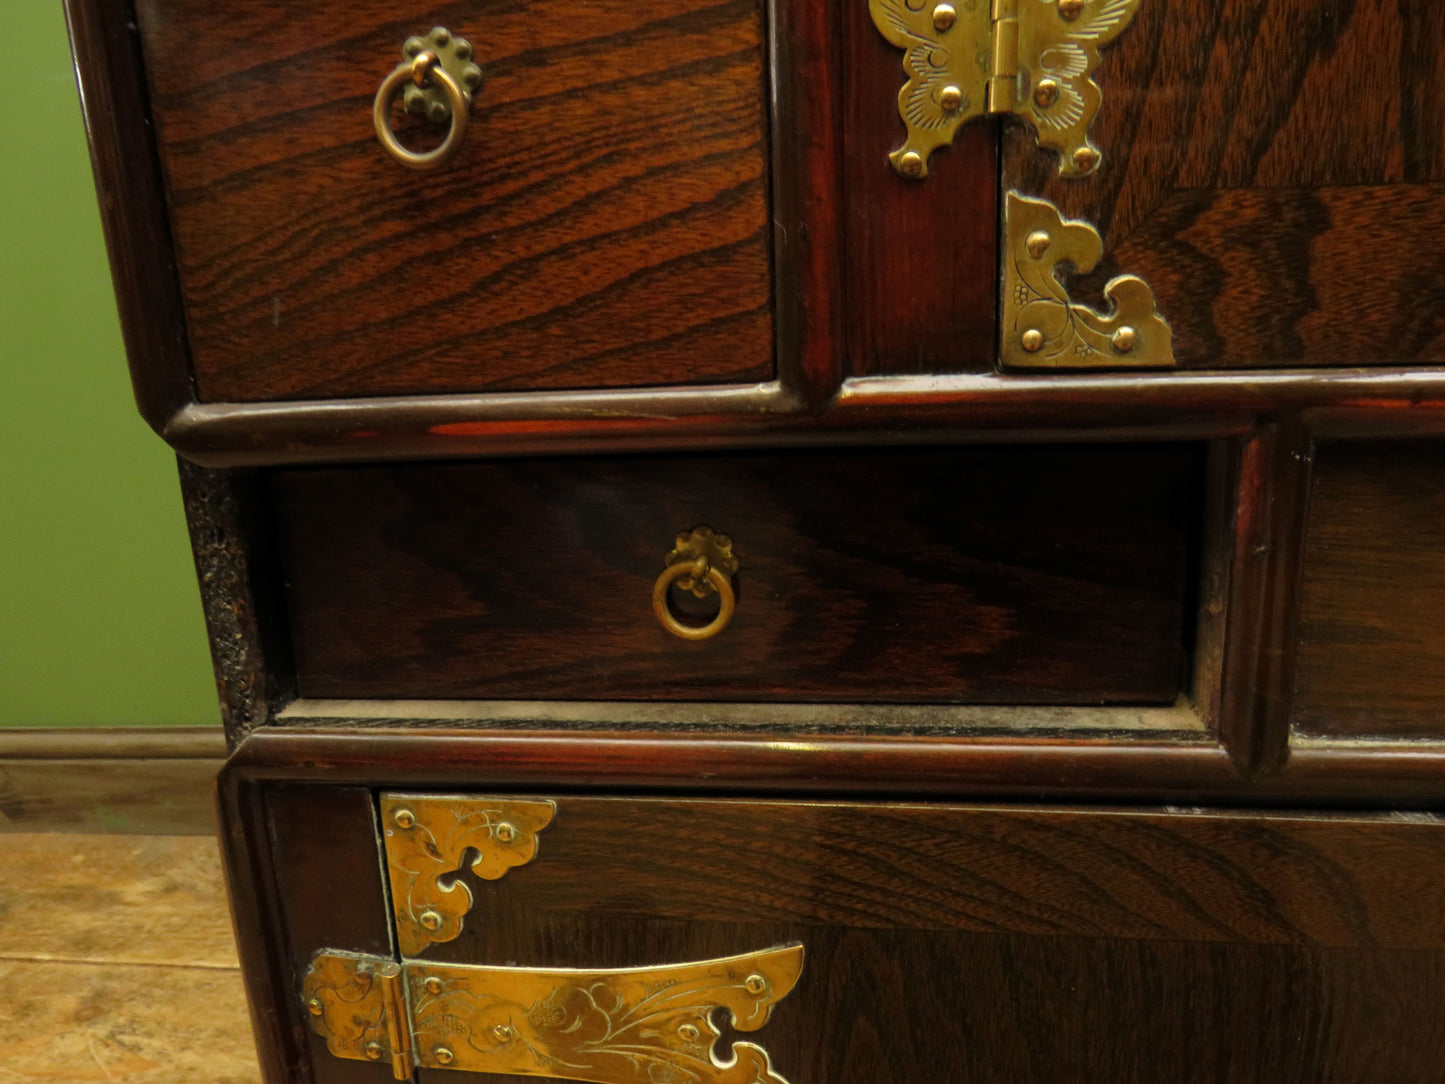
(433, 985)
(911, 163)
(472, 76)
(438, 113)
(441, 35)
(373, 1050)
(1032, 340)
(1085, 159)
(755, 984)
(503, 1033)
(1124, 338)
(688, 1033)
(944, 16)
(463, 49)
(1046, 93)
(431, 920)
(404, 818)
(314, 1007)
(413, 46)
(505, 832)
(1037, 243)
(950, 97)
(444, 1055)
(1071, 9)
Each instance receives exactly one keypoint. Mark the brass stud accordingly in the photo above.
(472, 76)
(950, 97)
(412, 47)
(404, 818)
(755, 984)
(1032, 340)
(1038, 243)
(1071, 9)
(438, 113)
(1085, 159)
(1046, 93)
(431, 920)
(314, 1007)
(463, 49)
(505, 832)
(441, 35)
(911, 163)
(503, 1033)
(373, 1050)
(944, 16)
(688, 1033)
(1124, 339)
(433, 985)
(444, 1055)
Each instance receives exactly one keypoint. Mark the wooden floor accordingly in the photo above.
(117, 963)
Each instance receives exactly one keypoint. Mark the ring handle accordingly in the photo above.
(720, 582)
(426, 66)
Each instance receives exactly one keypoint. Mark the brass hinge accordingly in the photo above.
(1031, 58)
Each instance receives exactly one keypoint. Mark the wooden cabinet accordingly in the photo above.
(802, 528)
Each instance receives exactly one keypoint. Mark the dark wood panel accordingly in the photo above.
(1270, 167)
(605, 223)
(920, 258)
(1039, 945)
(329, 896)
(1371, 642)
(1052, 575)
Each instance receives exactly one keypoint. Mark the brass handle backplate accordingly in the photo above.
(436, 78)
(702, 562)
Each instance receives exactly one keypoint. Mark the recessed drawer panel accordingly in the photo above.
(1372, 641)
(997, 575)
(604, 223)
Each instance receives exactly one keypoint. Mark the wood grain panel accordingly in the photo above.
(605, 223)
(1271, 168)
(1371, 657)
(1049, 575)
(920, 258)
(1010, 944)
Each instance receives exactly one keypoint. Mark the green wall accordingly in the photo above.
(100, 621)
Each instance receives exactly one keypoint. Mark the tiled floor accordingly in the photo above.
(117, 963)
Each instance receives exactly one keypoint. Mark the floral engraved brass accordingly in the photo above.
(1031, 58)
(1042, 328)
(626, 1026)
(429, 839)
(357, 1005)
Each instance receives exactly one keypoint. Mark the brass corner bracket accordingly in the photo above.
(1031, 58)
(429, 839)
(1042, 328)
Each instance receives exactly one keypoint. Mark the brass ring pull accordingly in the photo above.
(701, 562)
(426, 66)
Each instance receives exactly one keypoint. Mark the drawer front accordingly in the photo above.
(998, 575)
(1372, 647)
(605, 222)
(936, 943)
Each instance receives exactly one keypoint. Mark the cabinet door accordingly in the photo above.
(615, 939)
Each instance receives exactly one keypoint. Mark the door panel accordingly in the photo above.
(952, 943)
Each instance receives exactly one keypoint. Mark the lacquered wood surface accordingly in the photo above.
(1372, 643)
(1272, 168)
(983, 575)
(605, 222)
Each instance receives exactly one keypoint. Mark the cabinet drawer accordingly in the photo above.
(997, 575)
(604, 223)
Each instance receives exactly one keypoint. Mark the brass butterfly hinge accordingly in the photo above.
(1031, 58)
(1042, 327)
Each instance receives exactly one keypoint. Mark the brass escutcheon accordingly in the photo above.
(436, 77)
(702, 562)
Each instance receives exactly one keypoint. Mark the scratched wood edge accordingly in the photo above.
(122, 780)
(960, 407)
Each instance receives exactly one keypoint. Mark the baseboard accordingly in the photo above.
(125, 780)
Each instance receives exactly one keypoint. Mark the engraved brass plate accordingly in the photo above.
(1042, 328)
(650, 1025)
(1031, 58)
(428, 839)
